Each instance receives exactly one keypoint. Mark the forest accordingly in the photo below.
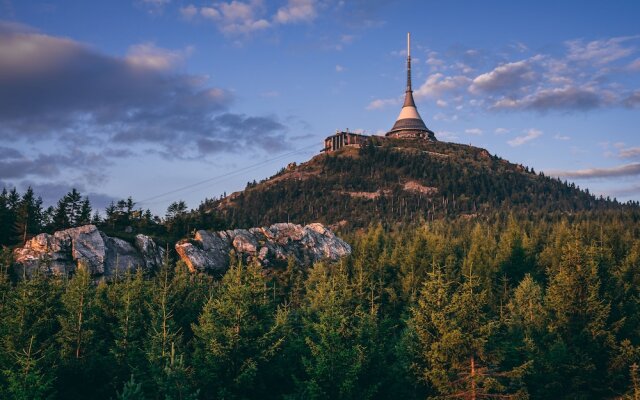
(506, 284)
(461, 180)
(504, 306)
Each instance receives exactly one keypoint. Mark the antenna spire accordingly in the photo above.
(409, 62)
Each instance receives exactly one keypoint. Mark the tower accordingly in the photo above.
(409, 123)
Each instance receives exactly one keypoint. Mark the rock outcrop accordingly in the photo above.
(61, 253)
(270, 246)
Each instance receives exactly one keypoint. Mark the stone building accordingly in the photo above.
(342, 139)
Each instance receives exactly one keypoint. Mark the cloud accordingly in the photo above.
(147, 55)
(445, 135)
(634, 65)
(530, 135)
(60, 90)
(557, 136)
(504, 78)
(632, 100)
(243, 18)
(599, 51)
(566, 98)
(14, 164)
(632, 169)
(51, 192)
(473, 131)
(296, 11)
(339, 68)
(379, 104)
(188, 12)
(631, 152)
(501, 131)
(438, 84)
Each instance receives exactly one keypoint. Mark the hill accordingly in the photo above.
(401, 180)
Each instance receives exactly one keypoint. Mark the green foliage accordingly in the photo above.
(238, 332)
(493, 308)
(131, 391)
(369, 186)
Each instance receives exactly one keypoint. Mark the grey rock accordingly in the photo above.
(268, 246)
(103, 256)
(152, 255)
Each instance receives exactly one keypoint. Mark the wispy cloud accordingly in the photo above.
(557, 136)
(246, 17)
(599, 51)
(585, 76)
(630, 152)
(530, 135)
(473, 131)
(383, 103)
(632, 169)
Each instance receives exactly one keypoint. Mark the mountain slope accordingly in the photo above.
(394, 180)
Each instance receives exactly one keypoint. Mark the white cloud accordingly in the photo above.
(147, 55)
(504, 78)
(296, 11)
(473, 131)
(437, 84)
(210, 13)
(379, 104)
(557, 136)
(441, 103)
(501, 131)
(189, 11)
(340, 68)
(599, 51)
(530, 135)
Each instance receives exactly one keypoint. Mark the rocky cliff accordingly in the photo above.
(104, 256)
(269, 246)
(61, 253)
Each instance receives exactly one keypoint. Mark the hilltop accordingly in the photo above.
(401, 180)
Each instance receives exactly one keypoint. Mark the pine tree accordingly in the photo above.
(238, 332)
(78, 344)
(342, 338)
(131, 391)
(578, 323)
(453, 332)
(27, 349)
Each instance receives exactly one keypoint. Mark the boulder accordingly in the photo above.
(269, 246)
(103, 256)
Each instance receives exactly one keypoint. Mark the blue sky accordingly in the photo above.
(145, 97)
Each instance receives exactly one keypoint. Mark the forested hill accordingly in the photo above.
(392, 180)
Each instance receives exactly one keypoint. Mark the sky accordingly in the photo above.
(166, 100)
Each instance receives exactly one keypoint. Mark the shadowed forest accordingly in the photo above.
(464, 308)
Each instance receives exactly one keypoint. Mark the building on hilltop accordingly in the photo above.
(409, 124)
(344, 138)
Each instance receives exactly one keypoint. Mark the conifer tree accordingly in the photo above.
(578, 322)
(453, 330)
(342, 339)
(238, 332)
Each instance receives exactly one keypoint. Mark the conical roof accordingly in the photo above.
(409, 123)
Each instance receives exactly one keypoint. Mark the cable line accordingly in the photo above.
(147, 201)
